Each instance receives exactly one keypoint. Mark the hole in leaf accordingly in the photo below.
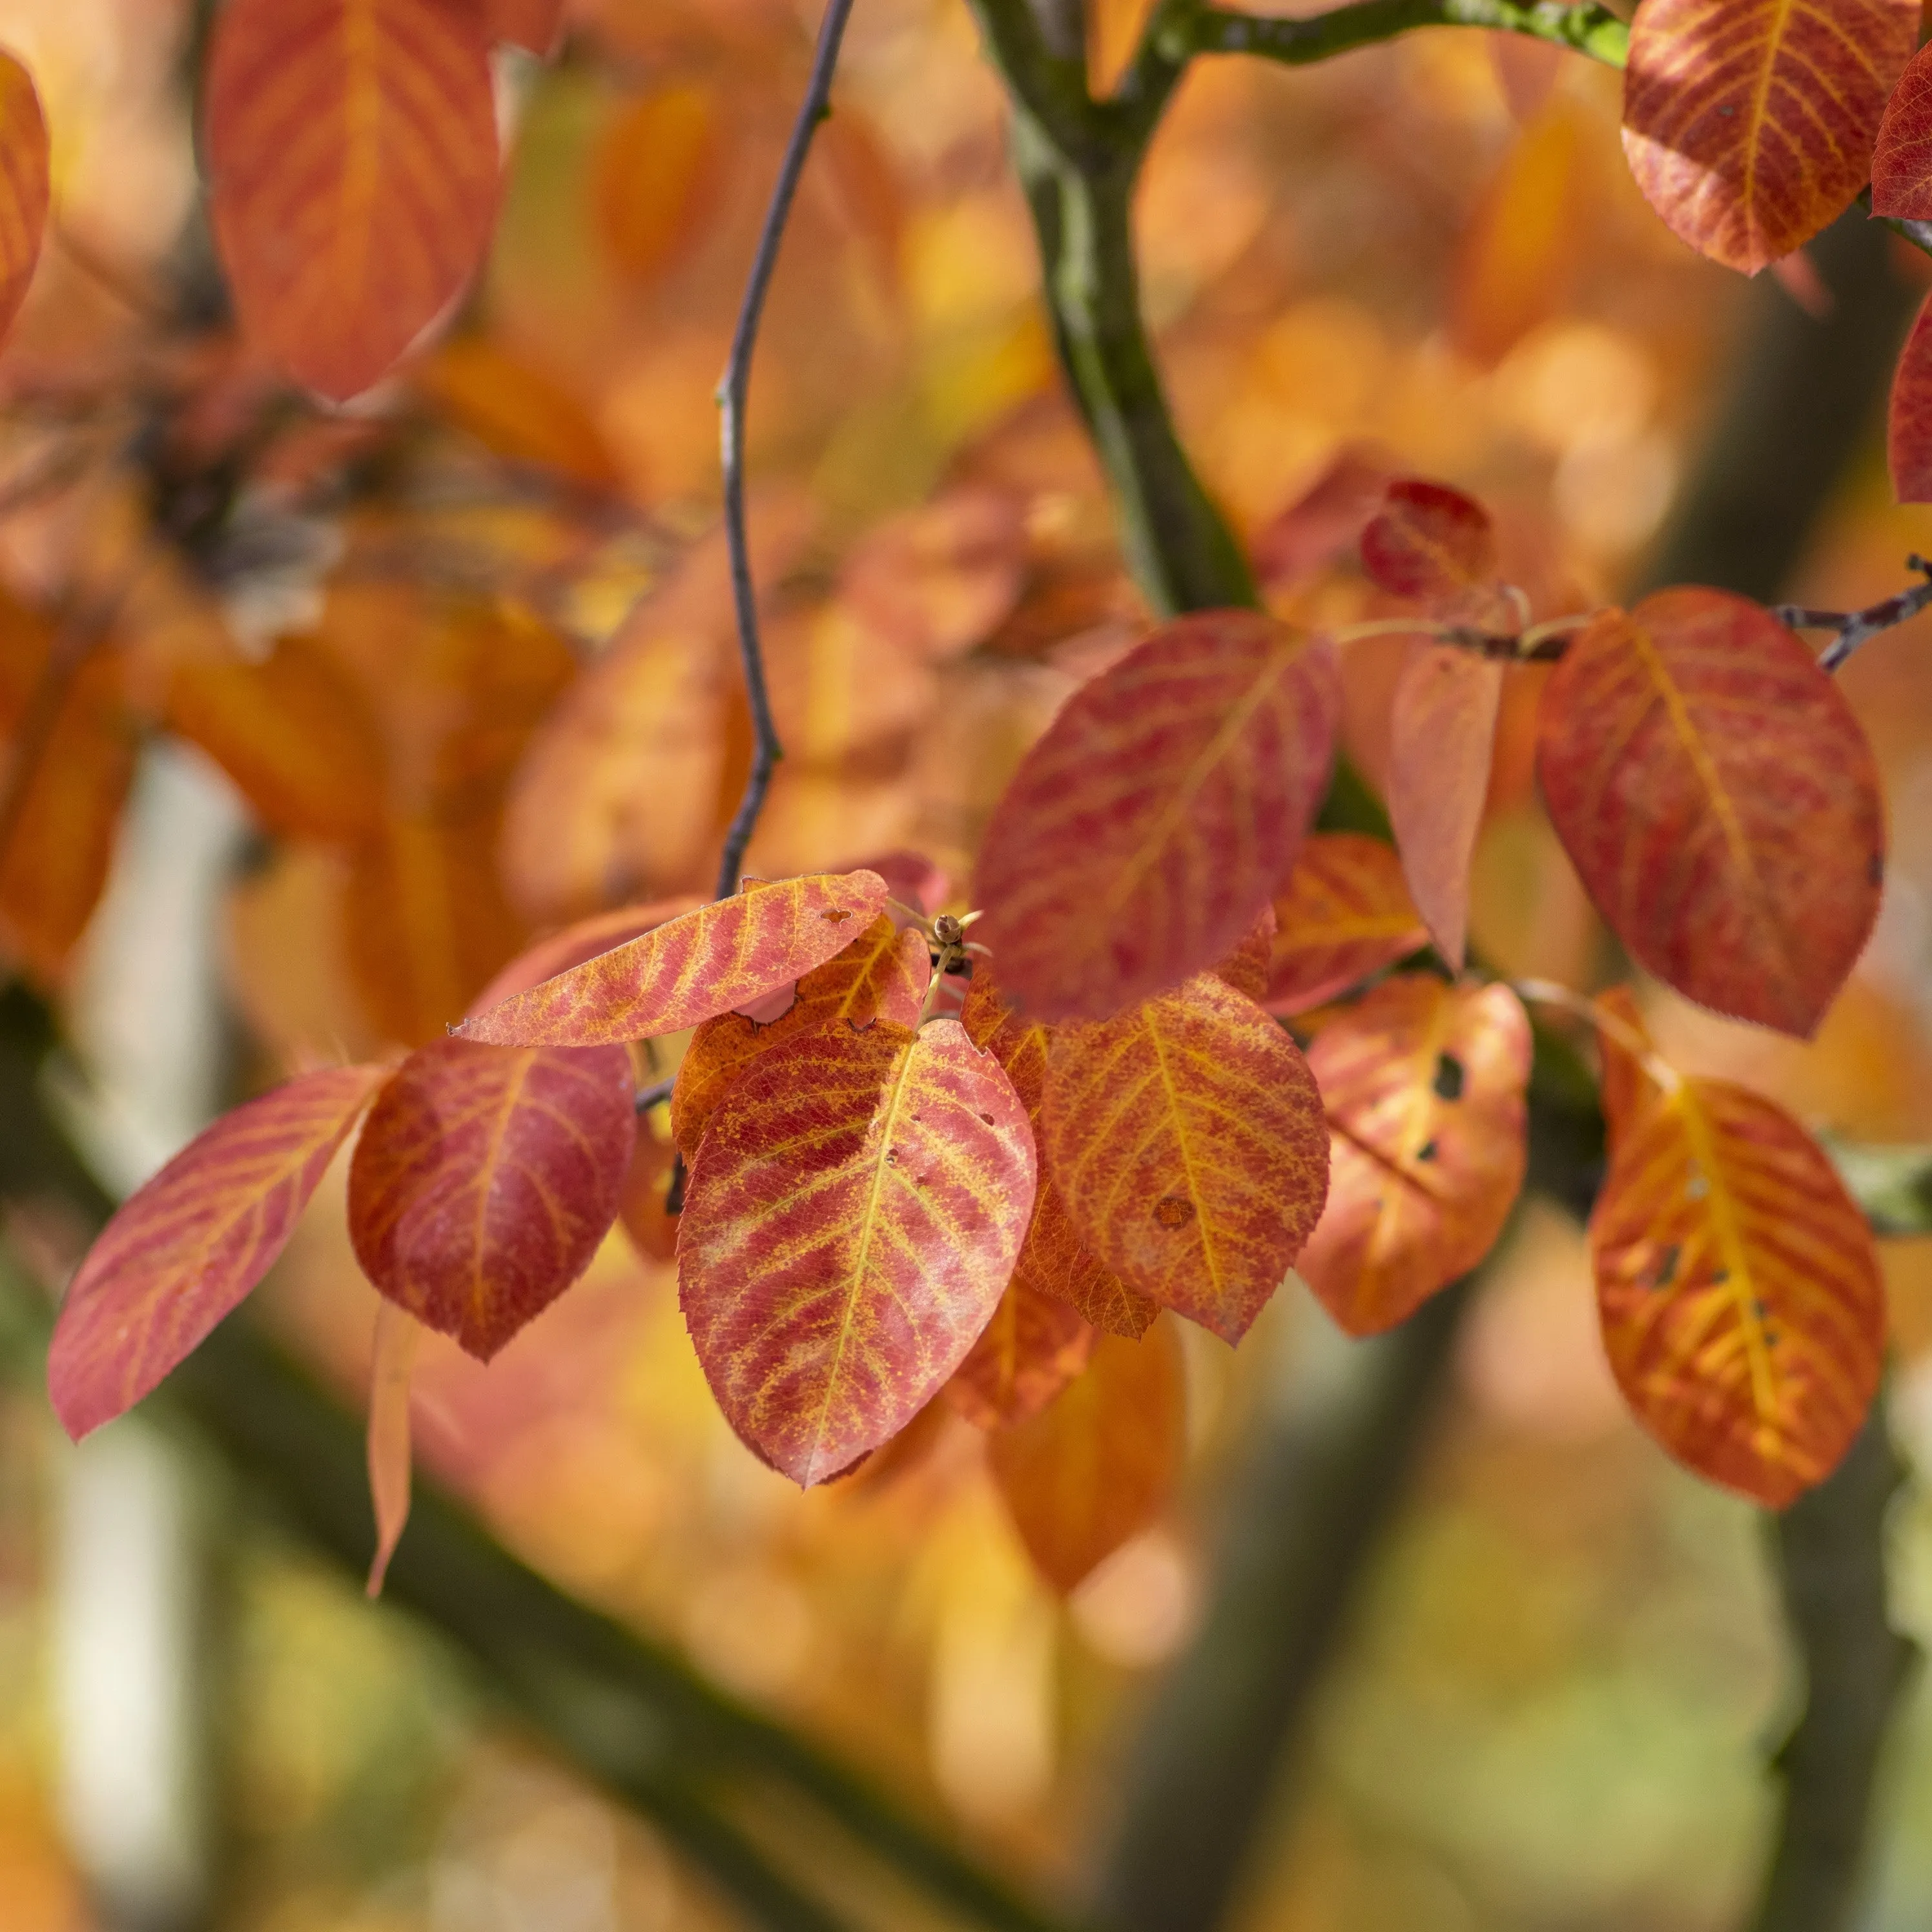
(1448, 1081)
(837, 915)
(986, 1119)
(1171, 1211)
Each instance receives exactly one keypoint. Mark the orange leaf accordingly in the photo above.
(943, 577)
(1742, 1309)
(353, 146)
(657, 177)
(1424, 1084)
(1909, 425)
(1054, 1262)
(1034, 1345)
(387, 1446)
(23, 186)
(485, 1179)
(1749, 124)
(1186, 1136)
(576, 944)
(883, 974)
(853, 1213)
(186, 1247)
(1719, 800)
(1162, 810)
(532, 25)
(1298, 543)
(517, 411)
(1442, 733)
(1344, 914)
(1434, 544)
(1097, 1465)
(646, 1190)
(723, 955)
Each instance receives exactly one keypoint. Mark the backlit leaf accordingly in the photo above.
(1432, 544)
(1162, 810)
(1187, 1139)
(1097, 1465)
(485, 1179)
(854, 1212)
(722, 956)
(352, 148)
(1034, 1345)
(1909, 425)
(23, 186)
(1901, 162)
(1344, 914)
(186, 1247)
(1442, 732)
(883, 974)
(1053, 1260)
(388, 1443)
(1424, 1084)
(1749, 124)
(1742, 1309)
(1719, 800)
(657, 175)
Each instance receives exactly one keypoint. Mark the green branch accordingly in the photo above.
(1588, 28)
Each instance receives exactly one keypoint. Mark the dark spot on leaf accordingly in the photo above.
(1448, 1082)
(1427, 1151)
(1171, 1211)
(986, 1119)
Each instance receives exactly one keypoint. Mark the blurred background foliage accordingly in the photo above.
(411, 723)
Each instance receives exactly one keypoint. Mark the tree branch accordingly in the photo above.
(734, 392)
(1855, 627)
(1587, 28)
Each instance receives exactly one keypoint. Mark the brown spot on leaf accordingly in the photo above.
(1171, 1211)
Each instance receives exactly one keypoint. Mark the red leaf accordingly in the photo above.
(187, 1247)
(1748, 124)
(1719, 800)
(23, 186)
(1908, 427)
(1901, 162)
(943, 577)
(1441, 737)
(883, 974)
(1743, 1312)
(352, 147)
(1345, 914)
(1054, 1262)
(485, 1179)
(1097, 1465)
(1300, 541)
(1434, 544)
(1159, 813)
(532, 25)
(854, 1212)
(585, 940)
(723, 955)
(1247, 968)
(1034, 1345)
(1187, 1137)
(387, 1446)
(1424, 1084)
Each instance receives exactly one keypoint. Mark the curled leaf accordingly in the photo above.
(1344, 913)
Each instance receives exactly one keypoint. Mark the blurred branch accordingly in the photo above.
(1588, 28)
(1855, 627)
(734, 392)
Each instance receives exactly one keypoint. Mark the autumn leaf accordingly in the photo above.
(1053, 1260)
(532, 25)
(485, 1179)
(1749, 124)
(1187, 1139)
(883, 974)
(1424, 1084)
(854, 1212)
(1298, 543)
(943, 578)
(1742, 1308)
(515, 410)
(722, 956)
(1719, 800)
(1344, 913)
(1442, 733)
(1901, 162)
(352, 146)
(1434, 545)
(1247, 968)
(1162, 810)
(573, 944)
(644, 1207)
(387, 1445)
(185, 1248)
(1034, 1345)
(657, 177)
(1097, 1465)
(1908, 422)
(23, 186)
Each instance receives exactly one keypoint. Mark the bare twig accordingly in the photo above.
(733, 391)
(1859, 627)
(656, 1094)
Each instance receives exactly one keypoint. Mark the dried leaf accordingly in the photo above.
(883, 974)
(393, 1360)
(1098, 1464)
(23, 186)
(185, 1249)
(723, 955)
(1344, 914)
(1424, 1084)
(1187, 1139)
(352, 148)
(1719, 800)
(1442, 733)
(485, 1179)
(1749, 124)
(854, 1212)
(1162, 810)
(1742, 1308)
(1034, 1345)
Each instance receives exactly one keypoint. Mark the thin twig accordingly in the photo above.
(1859, 627)
(733, 391)
(655, 1095)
